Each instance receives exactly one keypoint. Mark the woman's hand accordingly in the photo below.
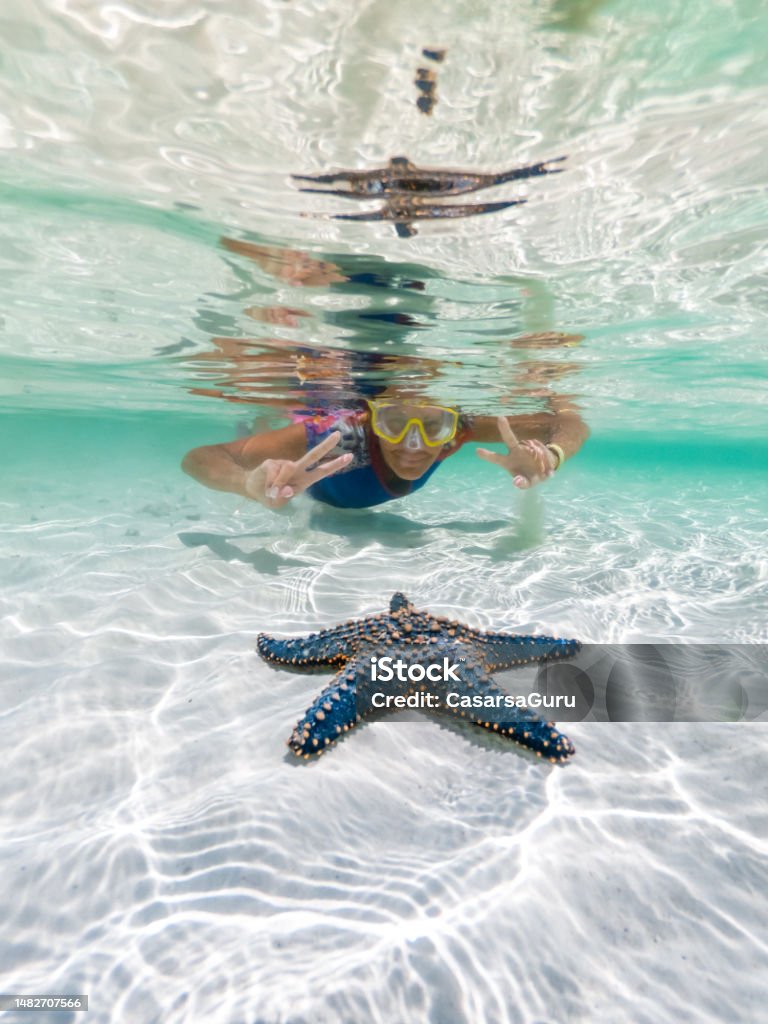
(528, 462)
(289, 265)
(276, 481)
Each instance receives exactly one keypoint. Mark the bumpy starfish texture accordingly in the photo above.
(419, 640)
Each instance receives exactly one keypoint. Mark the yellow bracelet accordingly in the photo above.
(559, 454)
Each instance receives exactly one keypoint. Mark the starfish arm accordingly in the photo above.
(415, 211)
(537, 735)
(499, 651)
(356, 184)
(483, 702)
(333, 713)
(532, 171)
(344, 193)
(331, 648)
(385, 213)
(315, 652)
(350, 177)
(450, 210)
(400, 603)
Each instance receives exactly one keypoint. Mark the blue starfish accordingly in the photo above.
(418, 642)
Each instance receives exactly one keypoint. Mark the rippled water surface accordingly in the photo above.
(164, 284)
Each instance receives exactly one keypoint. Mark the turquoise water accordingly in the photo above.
(160, 851)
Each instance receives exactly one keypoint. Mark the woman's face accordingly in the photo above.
(403, 430)
(411, 458)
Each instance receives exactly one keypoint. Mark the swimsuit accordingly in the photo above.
(362, 483)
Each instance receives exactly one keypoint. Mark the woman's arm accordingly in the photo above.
(271, 468)
(562, 426)
(548, 439)
(290, 265)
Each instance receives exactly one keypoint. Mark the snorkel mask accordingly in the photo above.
(434, 425)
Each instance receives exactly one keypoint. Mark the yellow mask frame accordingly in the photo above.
(447, 434)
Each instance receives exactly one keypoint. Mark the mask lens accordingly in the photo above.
(436, 425)
(391, 421)
(439, 424)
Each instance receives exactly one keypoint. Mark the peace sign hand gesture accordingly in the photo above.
(528, 462)
(276, 481)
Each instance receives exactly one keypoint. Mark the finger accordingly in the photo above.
(280, 499)
(537, 450)
(544, 455)
(316, 453)
(285, 474)
(507, 434)
(277, 500)
(536, 446)
(278, 475)
(328, 468)
(272, 470)
(489, 456)
(522, 482)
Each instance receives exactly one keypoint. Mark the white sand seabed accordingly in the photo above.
(164, 853)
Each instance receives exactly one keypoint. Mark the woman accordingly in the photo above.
(360, 458)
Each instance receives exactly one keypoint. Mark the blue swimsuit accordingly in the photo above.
(361, 484)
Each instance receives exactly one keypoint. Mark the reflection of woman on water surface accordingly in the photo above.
(358, 454)
(356, 458)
